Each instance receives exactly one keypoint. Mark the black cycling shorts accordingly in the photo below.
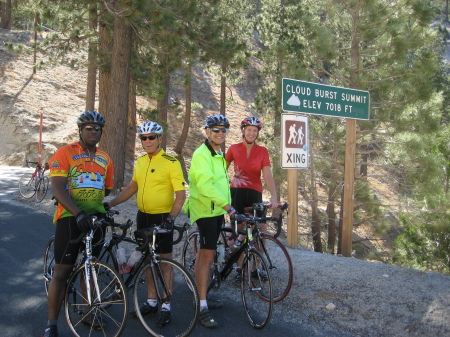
(244, 197)
(67, 230)
(209, 231)
(164, 241)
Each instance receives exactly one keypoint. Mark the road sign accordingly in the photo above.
(294, 141)
(314, 98)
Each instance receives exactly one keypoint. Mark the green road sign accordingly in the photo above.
(313, 98)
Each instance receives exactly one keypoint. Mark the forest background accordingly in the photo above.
(135, 53)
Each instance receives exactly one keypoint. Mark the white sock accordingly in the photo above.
(166, 306)
(152, 302)
(203, 304)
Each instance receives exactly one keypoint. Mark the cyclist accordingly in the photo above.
(81, 175)
(157, 177)
(209, 200)
(250, 161)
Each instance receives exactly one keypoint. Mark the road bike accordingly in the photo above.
(36, 183)
(95, 300)
(255, 285)
(179, 290)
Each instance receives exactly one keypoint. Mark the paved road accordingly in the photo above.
(23, 310)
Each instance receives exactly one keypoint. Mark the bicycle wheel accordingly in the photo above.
(254, 289)
(107, 314)
(42, 188)
(182, 295)
(189, 253)
(27, 185)
(49, 262)
(279, 263)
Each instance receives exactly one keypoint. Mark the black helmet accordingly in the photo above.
(150, 127)
(90, 117)
(251, 121)
(217, 120)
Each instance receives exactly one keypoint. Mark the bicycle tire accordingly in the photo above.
(254, 290)
(279, 264)
(189, 253)
(49, 262)
(110, 312)
(184, 298)
(27, 185)
(42, 188)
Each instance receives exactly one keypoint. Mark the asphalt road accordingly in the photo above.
(23, 310)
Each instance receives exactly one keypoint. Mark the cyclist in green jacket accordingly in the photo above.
(209, 200)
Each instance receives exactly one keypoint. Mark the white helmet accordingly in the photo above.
(150, 127)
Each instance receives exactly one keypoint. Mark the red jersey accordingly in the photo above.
(247, 171)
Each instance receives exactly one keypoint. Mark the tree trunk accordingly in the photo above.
(92, 61)
(162, 106)
(6, 15)
(187, 122)
(104, 77)
(131, 132)
(37, 21)
(117, 121)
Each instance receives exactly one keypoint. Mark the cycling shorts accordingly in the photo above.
(244, 197)
(67, 230)
(209, 231)
(164, 241)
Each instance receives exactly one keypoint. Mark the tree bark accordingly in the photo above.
(104, 77)
(162, 106)
(6, 15)
(117, 121)
(92, 61)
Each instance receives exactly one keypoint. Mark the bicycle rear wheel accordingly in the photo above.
(27, 185)
(189, 253)
(254, 289)
(107, 314)
(49, 262)
(279, 263)
(42, 188)
(182, 295)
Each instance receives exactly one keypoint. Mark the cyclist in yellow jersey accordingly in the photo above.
(158, 183)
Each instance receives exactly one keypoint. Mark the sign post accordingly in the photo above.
(351, 104)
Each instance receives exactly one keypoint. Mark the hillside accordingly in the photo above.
(59, 92)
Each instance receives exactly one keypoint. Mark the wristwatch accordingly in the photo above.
(171, 217)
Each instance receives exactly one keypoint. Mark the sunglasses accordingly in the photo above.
(217, 130)
(144, 138)
(90, 128)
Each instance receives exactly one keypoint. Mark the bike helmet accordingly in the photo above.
(150, 127)
(217, 120)
(90, 117)
(253, 121)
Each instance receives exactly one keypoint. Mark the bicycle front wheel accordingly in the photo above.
(27, 185)
(107, 314)
(49, 262)
(174, 285)
(189, 253)
(42, 188)
(279, 263)
(255, 287)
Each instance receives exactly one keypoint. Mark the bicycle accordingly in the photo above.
(256, 290)
(95, 301)
(35, 184)
(182, 295)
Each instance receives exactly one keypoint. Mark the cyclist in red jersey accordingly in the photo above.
(81, 175)
(250, 162)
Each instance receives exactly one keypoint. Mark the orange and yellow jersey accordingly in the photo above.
(158, 178)
(86, 179)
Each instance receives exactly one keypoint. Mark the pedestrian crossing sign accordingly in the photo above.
(294, 141)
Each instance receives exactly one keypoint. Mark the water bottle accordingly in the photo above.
(121, 259)
(135, 257)
(220, 252)
(233, 249)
